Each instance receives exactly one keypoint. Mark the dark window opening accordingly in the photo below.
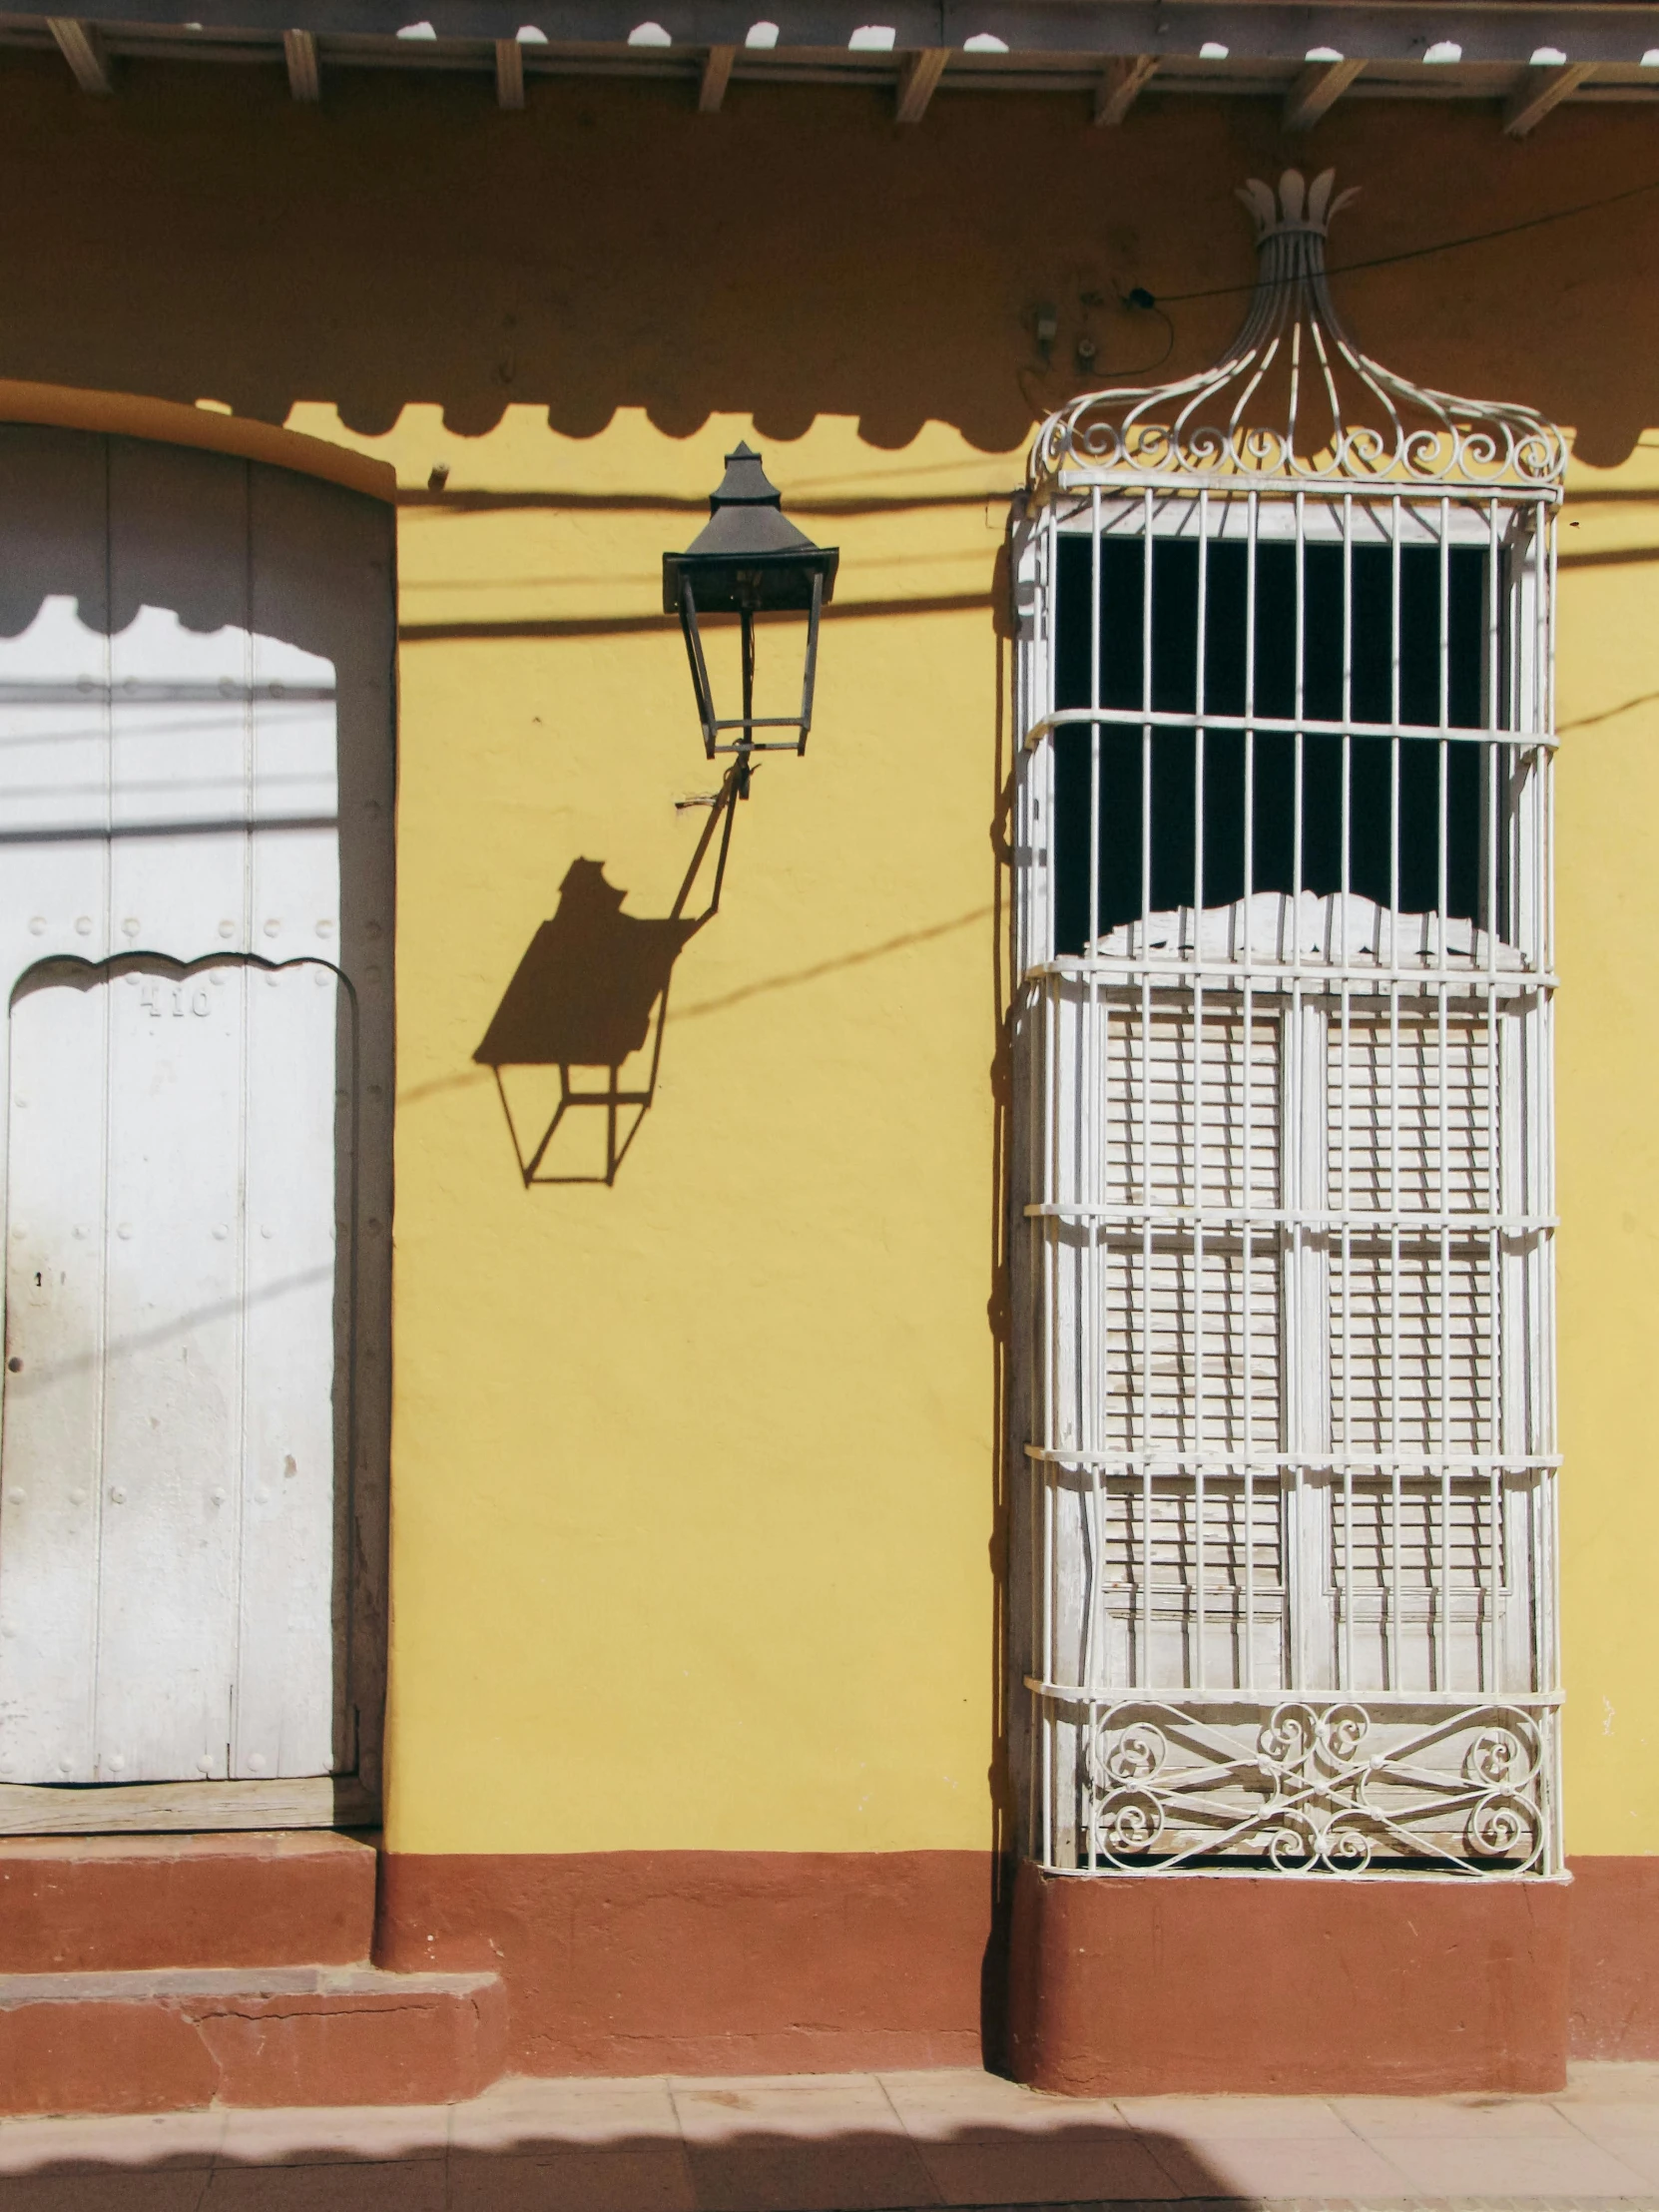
(1212, 851)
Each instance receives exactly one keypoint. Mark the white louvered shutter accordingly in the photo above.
(1416, 1560)
(1192, 1389)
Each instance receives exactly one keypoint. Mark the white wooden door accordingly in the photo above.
(194, 891)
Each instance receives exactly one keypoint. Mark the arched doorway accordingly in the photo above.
(196, 934)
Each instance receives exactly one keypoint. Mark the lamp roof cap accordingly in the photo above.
(746, 523)
(746, 483)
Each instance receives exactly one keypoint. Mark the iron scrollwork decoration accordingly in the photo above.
(1253, 1711)
(1305, 1786)
(1337, 416)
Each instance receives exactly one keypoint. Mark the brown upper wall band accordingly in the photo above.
(168, 423)
(1522, 58)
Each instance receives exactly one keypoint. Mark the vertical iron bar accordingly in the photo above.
(1498, 600)
(1342, 1430)
(1296, 1256)
(1051, 994)
(1541, 1438)
(1196, 1151)
(1397, 1581)
(1144, 1130)
(748, 738)
(1053, 1242)
(1089, 1108)
(1441, 941)
(1247, 1195)
(808, 678)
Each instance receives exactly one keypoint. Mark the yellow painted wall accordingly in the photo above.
(1607, 1060)
(710, 1449)
(696, 1481)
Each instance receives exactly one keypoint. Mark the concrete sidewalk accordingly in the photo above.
(845, 2142)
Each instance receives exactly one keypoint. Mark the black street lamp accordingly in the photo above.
(748, 560)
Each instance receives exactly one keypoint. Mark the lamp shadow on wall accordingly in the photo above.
(576, 1044)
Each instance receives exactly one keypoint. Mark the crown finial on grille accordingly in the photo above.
(1294, 402)
(1298, 206)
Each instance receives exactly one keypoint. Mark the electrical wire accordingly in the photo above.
(1422, 253)
(1155, 303)
(1146, 304)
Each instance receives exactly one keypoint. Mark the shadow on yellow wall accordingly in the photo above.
(590, 996)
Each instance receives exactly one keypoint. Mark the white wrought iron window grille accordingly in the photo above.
(1283, 1034)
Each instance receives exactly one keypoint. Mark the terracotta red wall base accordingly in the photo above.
(709, 1962)
(121, 1904)
(732, 1963)
(1124, 1986)
(102, 2058)
(414, 2047)
(1613, 2006)
(162, 2042)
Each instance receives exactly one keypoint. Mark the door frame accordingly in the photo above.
(348, 1798)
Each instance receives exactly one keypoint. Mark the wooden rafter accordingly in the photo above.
(919, 81)
(1122, 84)
(82, 47)
(304, 76)
(1317, 89)
(717, 75)
(1538, 91)
(509, 73)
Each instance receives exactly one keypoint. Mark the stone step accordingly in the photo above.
(166, 2042)
(128, 1904)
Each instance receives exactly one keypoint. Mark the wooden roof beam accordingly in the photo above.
(920, 81)
(509, 73)
(717, 75)
(1121, 86)
(304, 76)
(83, 49)
(1317, 89)
(1540, 89)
